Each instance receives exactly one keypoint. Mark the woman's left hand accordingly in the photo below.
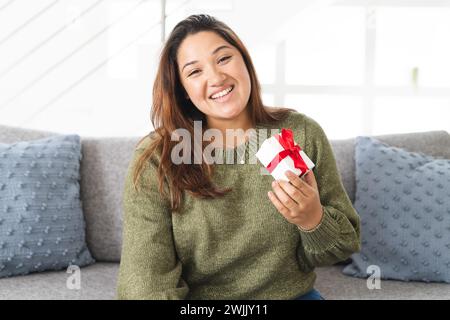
(298, 200)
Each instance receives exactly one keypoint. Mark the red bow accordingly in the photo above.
(286, 139)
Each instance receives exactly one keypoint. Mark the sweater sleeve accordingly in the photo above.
(338, 234)
(149, 267)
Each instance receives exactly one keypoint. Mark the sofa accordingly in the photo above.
(103, 168)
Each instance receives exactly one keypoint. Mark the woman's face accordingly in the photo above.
(214, 75)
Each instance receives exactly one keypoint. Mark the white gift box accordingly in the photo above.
(270, 148)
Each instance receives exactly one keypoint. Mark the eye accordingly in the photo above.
(224, 59)
(193, 72)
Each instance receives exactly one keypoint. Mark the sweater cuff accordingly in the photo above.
(323, 237)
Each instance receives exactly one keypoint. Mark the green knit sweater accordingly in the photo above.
(238, 246)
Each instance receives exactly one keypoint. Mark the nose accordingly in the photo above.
(216, 77)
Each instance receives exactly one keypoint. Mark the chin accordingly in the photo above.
(230, 115)
(230, 111)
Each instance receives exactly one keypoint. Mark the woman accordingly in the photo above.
(210, 230)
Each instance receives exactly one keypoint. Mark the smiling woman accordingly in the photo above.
(210, 230)
(202, 59)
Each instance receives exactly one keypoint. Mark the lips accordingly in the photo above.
(221, 93)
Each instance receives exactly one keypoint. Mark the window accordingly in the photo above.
(338, 115)
(326, 47)
(88, 66)
(380, 61)
(411, 47)
(410, 114)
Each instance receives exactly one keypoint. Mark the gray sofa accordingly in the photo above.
(103, 169)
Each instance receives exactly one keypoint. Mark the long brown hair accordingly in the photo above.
(171, 110)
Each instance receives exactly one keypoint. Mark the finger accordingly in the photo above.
(296, 194)
(285, 199)
(277, 203)
(310, 179)
(297, 182)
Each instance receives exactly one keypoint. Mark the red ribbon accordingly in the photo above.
(286, 139)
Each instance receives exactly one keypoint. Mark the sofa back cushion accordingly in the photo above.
(103, 170)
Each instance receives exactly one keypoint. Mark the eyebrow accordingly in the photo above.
(214, 52)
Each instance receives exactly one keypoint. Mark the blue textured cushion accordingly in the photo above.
(403, 199)
(41, 220)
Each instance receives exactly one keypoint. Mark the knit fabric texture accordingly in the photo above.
(237, 246)
(41, 219)
(404, 201)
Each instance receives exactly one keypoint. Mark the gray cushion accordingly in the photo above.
(433, 143)
(403, 199)
(41, 220)
(103, 169)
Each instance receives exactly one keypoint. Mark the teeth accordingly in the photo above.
(221, 93)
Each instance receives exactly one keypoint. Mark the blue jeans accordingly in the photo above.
(311, 295)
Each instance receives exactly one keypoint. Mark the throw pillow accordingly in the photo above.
(41, 220)
(403, 199)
